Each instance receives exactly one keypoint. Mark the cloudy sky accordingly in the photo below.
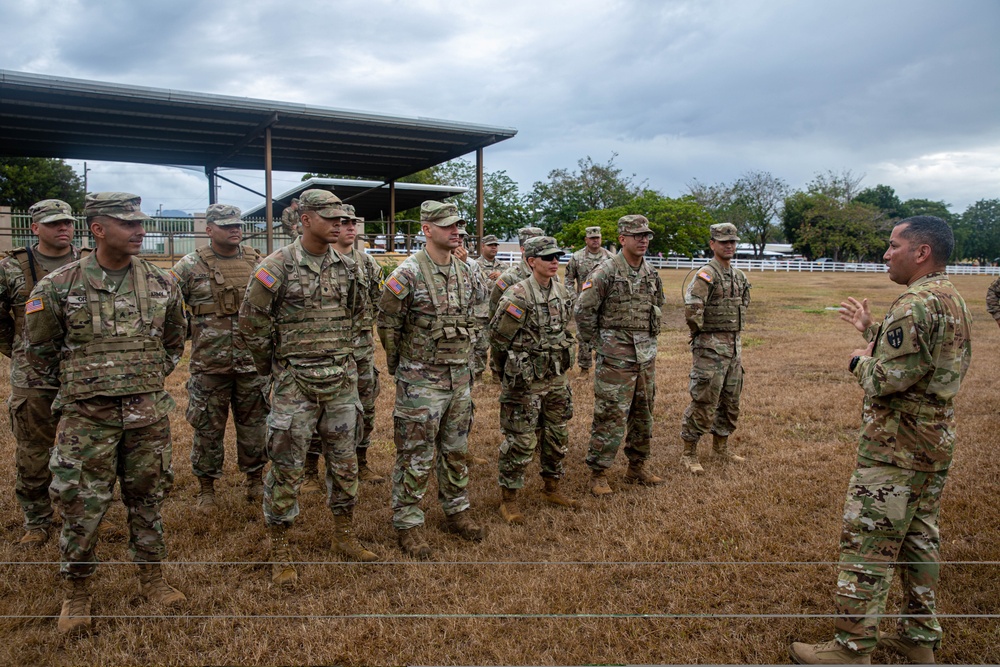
(905, 92)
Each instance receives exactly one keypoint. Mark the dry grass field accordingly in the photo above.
(729, 567)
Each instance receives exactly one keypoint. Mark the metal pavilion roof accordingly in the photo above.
(46, 116)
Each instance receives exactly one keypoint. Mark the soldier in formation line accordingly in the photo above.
(491, 269)
(290, 219)
(424, 322)
(107, 330)
(581, 264)
(534, 350)
(213, 280)
(993, 300)
(514, 274)
(32, 420)
(298, 321)
(715, 303)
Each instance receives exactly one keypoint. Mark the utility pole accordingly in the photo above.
(85, 170)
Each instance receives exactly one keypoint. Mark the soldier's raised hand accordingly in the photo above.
(856, 313)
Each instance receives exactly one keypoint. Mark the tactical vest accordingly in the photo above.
(32, 272)
(228, 277)
(367, 320)
(316, 329)
(724, 313)
(112, 365)
(628, 310)
(548, 353)
(439, 339)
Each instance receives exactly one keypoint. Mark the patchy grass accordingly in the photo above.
(754, 539)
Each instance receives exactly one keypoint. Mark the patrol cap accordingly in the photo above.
(120, 205)
(591, 232)
(440, 214)
(491, 239)
(324, 202)
(223, 214)
(541, 246)
(295, 200)
(630, 225)
(462, 231)
(351, 212)
(724, 231)
(525, 233)
(51, 210)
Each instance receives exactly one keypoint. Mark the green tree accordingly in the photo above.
(26, 180)
(505, 208)
(884, 198)
(567, 194)
(940, 209)
(851, 231)
(679, 226)
(977, 232)
(752, 203)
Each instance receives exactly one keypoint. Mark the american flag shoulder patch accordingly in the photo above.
(514, 311)
(394, 285)
(174, 275)
(586, 285)
(501, 283)
(34, 306)
(705, 275)
(265, 277)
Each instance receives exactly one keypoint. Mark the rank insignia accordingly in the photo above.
(705, 275)
(501, 283)
(266, 278)
(34, 306)
(515, 312)
(895, 337)
(586, 285)
(394, 285)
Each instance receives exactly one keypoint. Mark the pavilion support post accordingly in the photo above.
(213, 186)
(480, 205)
(390, 241)
(268, 213)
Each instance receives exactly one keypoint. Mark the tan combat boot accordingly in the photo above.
(206, 495)
(508, 506)
(155, 588)
(720, 447)
(75, 614)
(413, 544)
(554, 496)
(282, 571)
(464, 526)
(345, 543)
(599, 484)
(829, 653)
(34, 538)
(253, 485)
(366, 474)
(918, 654)
(689, 458)
(637, 474)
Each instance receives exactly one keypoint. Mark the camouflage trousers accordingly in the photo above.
(368, 390)
(293, 420)
(585, 353)
(209, 398)
(480, 347)
(624, 392)
(891, 515)
(529, 417)
(715, 387)
(431, 428)
(34, 429)
(89, 455)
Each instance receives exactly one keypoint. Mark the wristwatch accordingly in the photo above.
(854, 363)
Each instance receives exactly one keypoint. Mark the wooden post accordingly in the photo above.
(390, 240)
(480, 204)
(268, 213)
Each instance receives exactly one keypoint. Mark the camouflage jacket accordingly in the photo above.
(528, 332)
(298, 317)
(619, 309)
(214, 346)
(487, 267)
(370, 289)
(993, 299)
(290, 222)
(480, 301)
(922, 351)
(581, 264)
(511, 276)
(722, 294)
(14, 291)
(415, 307)
(119, 370)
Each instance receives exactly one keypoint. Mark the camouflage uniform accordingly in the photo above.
(993, 300)
(581, 264)
(31, 418)
(534, 349)
(425, 321)
(290, 218)
(619, 309)
(108, 346)
(922, 352)
(297, 320)
(370, 282)
(511, 276)
(483, 314)
(222, 369)
(715, 310)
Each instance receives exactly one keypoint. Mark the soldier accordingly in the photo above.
(424, 322)
(478, 333)
(715, 309)
(290, 219)
(31, 418)
(491, 266)
(619, 308)
(107, 330)
(581, 264)
(910, 372)
(490, 269)
(532, 346)
(212, 280)
(513, 275)
(993, 300)
(297, 320)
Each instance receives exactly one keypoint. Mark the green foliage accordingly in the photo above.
(679, 226)
(752, 203)
(505, 209)
(884, 198)
(912, 207)
(27, 180)
(977, 232)
(851, 231)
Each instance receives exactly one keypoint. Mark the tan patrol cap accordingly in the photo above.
(223, 214)
(120, 205)
(51, 210)
(440, 214)
(324, 202)
(592, 232)
(724, 231)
